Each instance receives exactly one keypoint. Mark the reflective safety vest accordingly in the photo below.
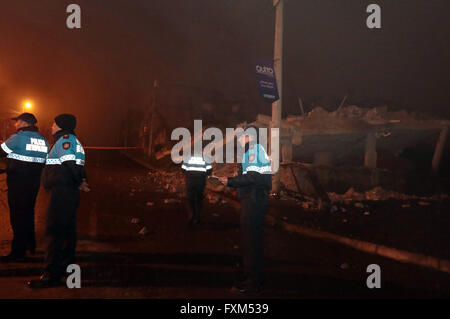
(26, 146)
(256, 160)
(196, 164)
(66, 148)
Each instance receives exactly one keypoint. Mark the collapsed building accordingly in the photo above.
(362, 149)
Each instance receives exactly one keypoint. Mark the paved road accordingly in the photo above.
(174, 261)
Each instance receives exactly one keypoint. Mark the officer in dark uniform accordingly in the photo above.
(253, 183)
(196, 170)
(26, 151)
(64, 176)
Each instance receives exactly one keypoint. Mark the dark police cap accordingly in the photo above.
(26, 117)
(66, 121)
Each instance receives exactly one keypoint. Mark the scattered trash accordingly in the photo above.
(171, 201)
(421, 203)
(345, 266)
(135, 220)
(359, 205)
(144, 231)
(150, 204)
(213, 199)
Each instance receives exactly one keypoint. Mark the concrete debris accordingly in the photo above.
(171, 201)
(213, 199)
(379, 194)
(421, 203)
(345, 266)
(144, 231)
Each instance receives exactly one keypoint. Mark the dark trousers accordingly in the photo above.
(22, 199)
(194, 193)
(61, 230)
(254, 208)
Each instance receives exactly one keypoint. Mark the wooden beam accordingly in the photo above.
(439, 150)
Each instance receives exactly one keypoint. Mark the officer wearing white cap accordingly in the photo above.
(64, 176)
(26, 151)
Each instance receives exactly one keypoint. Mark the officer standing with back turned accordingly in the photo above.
(26, 151)
(195, 169)
(64, 176)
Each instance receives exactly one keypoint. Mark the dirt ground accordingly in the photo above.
(175, 261)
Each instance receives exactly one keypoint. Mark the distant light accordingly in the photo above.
(28, 105)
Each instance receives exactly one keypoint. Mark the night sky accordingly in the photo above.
(110, 64)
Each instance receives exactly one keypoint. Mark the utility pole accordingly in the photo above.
(278, 65)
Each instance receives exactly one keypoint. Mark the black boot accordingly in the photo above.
(45, 281)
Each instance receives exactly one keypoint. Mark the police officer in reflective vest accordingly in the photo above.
(26, 151)
(253, 183)
(195, 169)
(64, 176)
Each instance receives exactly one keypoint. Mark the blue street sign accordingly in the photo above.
(267, 84)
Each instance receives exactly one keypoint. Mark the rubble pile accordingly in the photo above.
(348, 119)
(380, 194)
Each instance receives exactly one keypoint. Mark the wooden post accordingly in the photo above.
(286, 149)
(370, 158)
(440, 146)
(278, 65)
(300, 102)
